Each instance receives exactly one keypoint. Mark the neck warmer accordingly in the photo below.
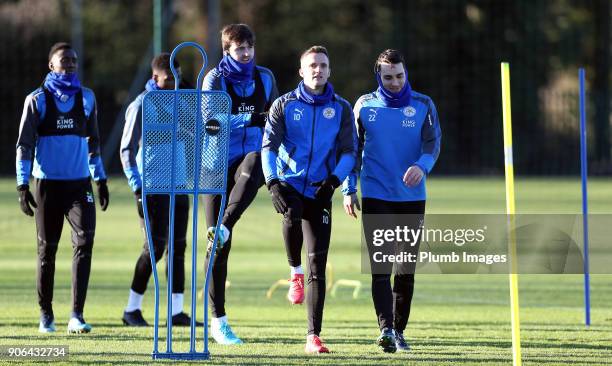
(62, 86)
(151, 85)
(308, 98)
(394, 100)
(234, 71)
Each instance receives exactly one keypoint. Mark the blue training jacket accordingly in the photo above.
(243, 139)
(131, 150)
(305, 143)
(390, 141)
(61, 156)
(131, 142)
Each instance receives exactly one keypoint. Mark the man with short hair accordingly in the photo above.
(309, 147)
(252, 89)
(59, 145)
(157, 205)
(399, 143)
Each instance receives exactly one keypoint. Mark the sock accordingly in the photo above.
(297, 270)
(223, 236)
(218, 321)
(134, 301)
(177, 304)
(225, 233)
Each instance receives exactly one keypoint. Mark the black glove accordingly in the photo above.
(278, 196)
(138, 198)
(259, 119)
(26, 199)
(326, 188)
(103, 195)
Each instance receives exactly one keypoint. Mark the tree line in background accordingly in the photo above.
(452, 48)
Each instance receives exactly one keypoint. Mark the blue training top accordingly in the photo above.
(390, 141)
(66, 150)
(243, 138)
(305, 143)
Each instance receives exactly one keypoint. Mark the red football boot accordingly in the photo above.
(296, 289)
(315, 345)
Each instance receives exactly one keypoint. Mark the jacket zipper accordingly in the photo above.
(314, 120)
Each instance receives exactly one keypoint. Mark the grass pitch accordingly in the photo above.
(456, 319)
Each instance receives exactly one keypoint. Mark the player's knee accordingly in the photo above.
(233, 213)
(83, 241)
(317, 265)
(249, 179)
(403, 281)
(291, 222)
(158, 250)
(252, 161)
(292, 217)
(145, 256)
(46, 250)
(221, 259)
(316, 277)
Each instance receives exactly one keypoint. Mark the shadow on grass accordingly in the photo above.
(556, 361)
(34, 324)
(61, 336)
(452, 343)
(102, 361)
(572, 346)
(367, 359)
(569, 328)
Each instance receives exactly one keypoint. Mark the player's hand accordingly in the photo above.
(26, 199)
(326, 188)
(413, 176)
(351, 203)
(258, 119)
(278, 196)
(138, 199)
(103, 195)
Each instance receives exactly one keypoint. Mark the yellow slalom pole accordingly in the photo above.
(510, 211)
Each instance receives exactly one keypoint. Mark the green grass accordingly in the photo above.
(456, 319)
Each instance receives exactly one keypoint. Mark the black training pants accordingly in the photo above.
(308, 220)
(158, 208)
(392, 305)
(74, 200)
(244, 179)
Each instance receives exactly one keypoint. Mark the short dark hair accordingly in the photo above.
(59, 46)
(161, 62)
(236, 33)
(389, 56)
(315, 49)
